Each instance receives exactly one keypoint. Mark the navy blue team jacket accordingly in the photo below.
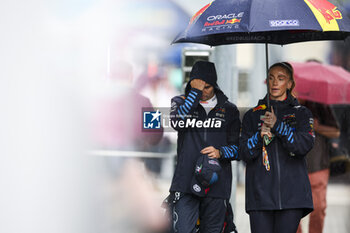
(192, 140)
(286, 185)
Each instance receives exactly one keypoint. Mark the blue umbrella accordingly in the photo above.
(266, 21)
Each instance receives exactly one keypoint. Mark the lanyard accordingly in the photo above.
(265, 158)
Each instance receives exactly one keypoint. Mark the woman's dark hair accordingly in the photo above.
(289, 68)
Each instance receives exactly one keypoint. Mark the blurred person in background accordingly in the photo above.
(118, 117)
(118, 127)
(154, 83)
(342, 113)
(326, 128)
(203, 100)
(274, 145)
(119, 114)
(340, 147)
(318, 159)
(340, 150)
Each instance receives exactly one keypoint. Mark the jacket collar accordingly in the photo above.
(290, 101)
(222, 98)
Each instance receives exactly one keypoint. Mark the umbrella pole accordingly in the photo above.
(267, 73)
(266, 138)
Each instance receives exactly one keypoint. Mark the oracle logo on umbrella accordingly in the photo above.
(225, 17)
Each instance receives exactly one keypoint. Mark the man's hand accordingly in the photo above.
(212, 152)
(270, 118)
(198, 84)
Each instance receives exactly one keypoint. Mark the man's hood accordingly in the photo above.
(205, 71)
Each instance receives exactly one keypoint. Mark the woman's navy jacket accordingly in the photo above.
(286, 185)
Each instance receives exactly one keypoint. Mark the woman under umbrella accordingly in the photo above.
(278, 192)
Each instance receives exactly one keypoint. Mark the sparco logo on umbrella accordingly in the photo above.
(284, 23)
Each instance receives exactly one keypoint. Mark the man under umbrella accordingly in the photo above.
(201, 185)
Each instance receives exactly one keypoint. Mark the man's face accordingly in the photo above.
(208, 92)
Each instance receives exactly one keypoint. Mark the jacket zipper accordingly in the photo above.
(278, 173)
(205, 129)
(207, 117)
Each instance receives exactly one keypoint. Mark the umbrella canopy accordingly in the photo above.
(266, 21)
(322, 83)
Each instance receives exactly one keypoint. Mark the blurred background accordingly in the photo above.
(75, 77)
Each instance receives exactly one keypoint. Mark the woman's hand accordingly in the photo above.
(270, 118)
(265, 130)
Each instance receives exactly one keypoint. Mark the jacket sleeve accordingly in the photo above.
(298, 141)
(230, 152)
(251, 141)
(182, 109)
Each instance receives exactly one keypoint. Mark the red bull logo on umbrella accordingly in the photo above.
(222, 22)
(232, 21)
(326, 14)
(327, 9)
